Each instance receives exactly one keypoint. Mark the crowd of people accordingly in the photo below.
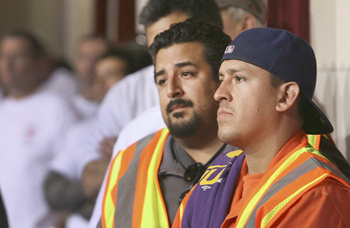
(216, 128)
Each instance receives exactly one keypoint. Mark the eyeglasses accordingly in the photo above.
(192, 175)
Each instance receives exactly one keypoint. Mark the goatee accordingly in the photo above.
(183, 128)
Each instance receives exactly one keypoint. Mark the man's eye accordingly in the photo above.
(186, 74)
(161, 81)
(239, 78)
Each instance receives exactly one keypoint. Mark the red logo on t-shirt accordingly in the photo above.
(30, 132)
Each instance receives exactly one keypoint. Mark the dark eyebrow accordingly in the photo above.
(181, 64)
(156, 74)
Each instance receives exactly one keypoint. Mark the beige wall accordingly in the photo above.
(330, 34)
(58, 23)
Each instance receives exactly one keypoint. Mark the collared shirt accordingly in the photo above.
(174, 163)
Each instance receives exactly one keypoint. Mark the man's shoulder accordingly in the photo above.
(145, 147)
(145, 141)
(332, 199)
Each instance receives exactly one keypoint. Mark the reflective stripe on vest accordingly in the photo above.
(298, 173)
(133, 197)
(314, 141)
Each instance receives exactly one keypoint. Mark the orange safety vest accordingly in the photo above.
(133, 197)
(301, 171)
(305, 168)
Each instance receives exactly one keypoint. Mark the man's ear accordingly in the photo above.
(249, 21)
(287, 96)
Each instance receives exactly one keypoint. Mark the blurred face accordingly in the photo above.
(186, 88)
(108, 72)
(247, 103)
(231, 27)
(18, 67)
(163, 24)
(88, 53)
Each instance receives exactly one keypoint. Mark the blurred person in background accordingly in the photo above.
(60, 78)
(110, 69)
(32, 125)
(89, 49)
(64, 188)
(241, 15)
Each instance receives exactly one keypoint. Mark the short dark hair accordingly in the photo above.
(212, 37)
(36, 46)
(206, 10)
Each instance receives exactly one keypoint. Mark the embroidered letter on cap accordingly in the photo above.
(229, 49)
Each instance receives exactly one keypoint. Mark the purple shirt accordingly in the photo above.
(210, 201)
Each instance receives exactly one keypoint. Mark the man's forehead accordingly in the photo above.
(14, 45)
(236, 65)
(191, 52)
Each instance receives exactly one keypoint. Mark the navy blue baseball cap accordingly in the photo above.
(288, 57)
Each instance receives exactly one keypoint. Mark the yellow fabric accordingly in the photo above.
(267, 218)
(154, 214)
(109, 214)
(254, 201)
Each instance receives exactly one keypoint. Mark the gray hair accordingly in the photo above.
(237, 14)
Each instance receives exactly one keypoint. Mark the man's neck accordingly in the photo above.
(200, 147)
(260, 155)
(259, 160)
(20, 94)
(86, 91)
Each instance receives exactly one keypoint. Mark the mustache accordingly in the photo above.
(226, 108)
(175, 102)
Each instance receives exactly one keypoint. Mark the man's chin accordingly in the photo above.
(182, 127)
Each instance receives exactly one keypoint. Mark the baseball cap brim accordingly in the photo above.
(315, 121)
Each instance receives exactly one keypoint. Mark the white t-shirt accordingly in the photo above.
(83, 107)
(126, 100)
(76, 221)
(149, 121)
(69, 161)
(31, 132)
(62, 82)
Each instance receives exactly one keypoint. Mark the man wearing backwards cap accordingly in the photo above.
(268, 77)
